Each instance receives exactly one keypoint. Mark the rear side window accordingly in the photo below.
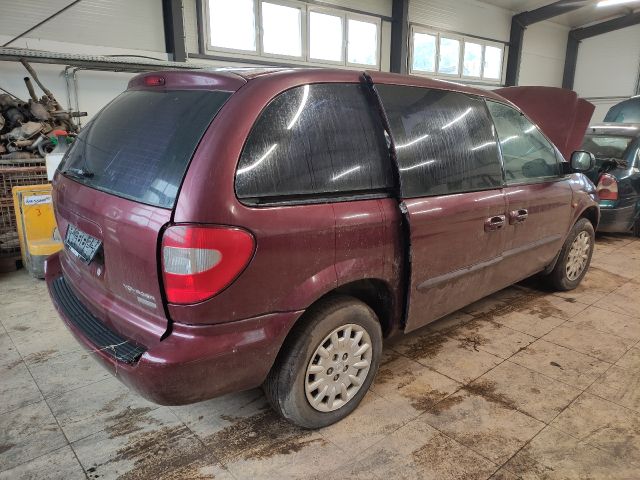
(444, 141)
(527, 155)
(139, 146)
(312, 140)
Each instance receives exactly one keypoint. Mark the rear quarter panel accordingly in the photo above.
(296, 246)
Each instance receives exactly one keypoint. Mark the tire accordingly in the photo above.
(288, 386)
(563, 277)
(636, 228)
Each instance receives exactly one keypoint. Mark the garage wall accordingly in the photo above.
(543, 53)
(111, 23)
(608, 68)
(463, 16)
(97, 27)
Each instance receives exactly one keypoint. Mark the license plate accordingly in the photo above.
(81, 244)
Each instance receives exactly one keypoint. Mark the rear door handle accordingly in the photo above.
(518, 216)
(494, 223)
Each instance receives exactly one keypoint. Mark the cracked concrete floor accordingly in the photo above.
(523, 384)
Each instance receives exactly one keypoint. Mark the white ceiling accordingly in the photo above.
(577, 18)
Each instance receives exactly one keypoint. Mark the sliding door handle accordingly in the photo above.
(518, 216)
(494, 223)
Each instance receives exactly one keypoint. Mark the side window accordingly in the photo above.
(527, 155)
(444, 141)
(315, 139)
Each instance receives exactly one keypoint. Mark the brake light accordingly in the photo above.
(198, 262)
(154, 80)
(607, 187)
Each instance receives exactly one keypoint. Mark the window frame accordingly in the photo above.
(502, 58)
(316, 197)
(484, 43)
(559, 175)
(334, 13)
(305, 58)
(458, 38)
(303, 28)
(482, 49)
(365, 19)
(209, 47)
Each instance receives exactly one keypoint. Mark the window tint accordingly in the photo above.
(526, 153)
(444, 141)
(314, 139)
(139, 146)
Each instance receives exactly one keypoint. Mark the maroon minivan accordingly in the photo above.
(226, 230)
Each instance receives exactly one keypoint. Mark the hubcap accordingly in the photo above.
(578, 255)
(338, 368)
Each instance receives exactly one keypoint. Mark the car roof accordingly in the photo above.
(611, 128)
(321, 73)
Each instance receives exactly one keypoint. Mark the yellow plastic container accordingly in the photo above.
(36, 224)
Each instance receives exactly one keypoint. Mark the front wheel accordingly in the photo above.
(327, 363)
(575, 257)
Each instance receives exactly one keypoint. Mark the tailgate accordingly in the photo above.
(120, 285)
(115, 192)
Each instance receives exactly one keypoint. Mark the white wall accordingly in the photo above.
(464, 16)
(92, 27)
(543, 52)
(608, 68)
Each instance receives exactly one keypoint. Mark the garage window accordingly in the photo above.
(232, 25)
(444, 141)
(292, 29)
(444, 54)
(325, 37)
(281, 29)
(362, 47)
(314, 141)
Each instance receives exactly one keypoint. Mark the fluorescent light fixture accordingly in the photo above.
(610, 3)
(614, 127)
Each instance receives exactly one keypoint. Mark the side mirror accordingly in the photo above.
(582, 161)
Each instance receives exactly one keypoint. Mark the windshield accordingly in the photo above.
(139, 146)
(606, 146)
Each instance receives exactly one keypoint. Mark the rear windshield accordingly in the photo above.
(139, 146)
(606, 146)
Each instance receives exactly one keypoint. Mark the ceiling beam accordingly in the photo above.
(519, 24)
(578, 34)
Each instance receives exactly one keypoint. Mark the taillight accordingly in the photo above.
(198, 262)
(607, 187)
(154, 80)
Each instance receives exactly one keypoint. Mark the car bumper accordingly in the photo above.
(191, 364)
(619, 219)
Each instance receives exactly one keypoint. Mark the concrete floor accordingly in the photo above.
(523, 384)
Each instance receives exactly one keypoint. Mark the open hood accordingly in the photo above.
(560, 113)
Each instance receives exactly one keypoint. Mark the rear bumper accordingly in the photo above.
(191, 364)
(619, 219)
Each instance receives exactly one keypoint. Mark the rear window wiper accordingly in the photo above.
(78, 173)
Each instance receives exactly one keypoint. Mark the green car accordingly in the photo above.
(616, 147)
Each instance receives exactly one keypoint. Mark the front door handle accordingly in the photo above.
(494, 223)
(518, 216)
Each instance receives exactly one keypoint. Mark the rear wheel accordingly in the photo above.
(327, 363)
(636, 228)
(575, 257)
